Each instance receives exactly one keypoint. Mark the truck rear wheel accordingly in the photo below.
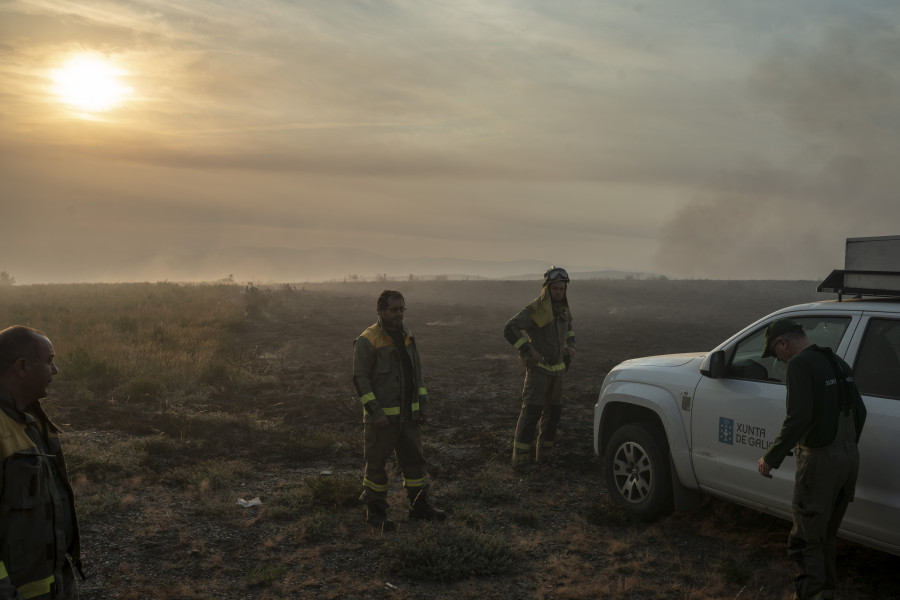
(637, 470)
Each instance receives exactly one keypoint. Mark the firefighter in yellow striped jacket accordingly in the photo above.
(387, 374)
(542, 333)
(38, 528)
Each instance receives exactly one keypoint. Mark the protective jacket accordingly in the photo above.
(379, 378)
(38, 526)
(548, 329)
(820, 388)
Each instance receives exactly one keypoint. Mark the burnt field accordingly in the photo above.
(222, 393)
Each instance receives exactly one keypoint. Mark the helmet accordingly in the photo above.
(554, 274)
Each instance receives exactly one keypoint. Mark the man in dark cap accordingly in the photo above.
(38, 528)
(542, 333)
(825, 416)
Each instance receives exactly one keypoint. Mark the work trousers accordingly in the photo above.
(541, 410)
(403, 439)
(823, 487)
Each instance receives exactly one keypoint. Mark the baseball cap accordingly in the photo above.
(776, 329)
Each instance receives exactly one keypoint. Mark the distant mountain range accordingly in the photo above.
(332, 264)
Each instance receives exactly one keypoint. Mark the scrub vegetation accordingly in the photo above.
(179, 401)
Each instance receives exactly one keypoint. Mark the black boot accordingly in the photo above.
(421, 508)
(376, 516)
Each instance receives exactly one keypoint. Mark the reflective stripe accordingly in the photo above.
(374, 486)
(546, 444)
(422, 392)
(520, 342)
(395, 410)
(413, 482)
(36, 588)
(556, 367)
(570, 334)
(3, 573)
(367, 397)
(521, 446)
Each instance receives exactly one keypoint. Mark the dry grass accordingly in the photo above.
(180, 399)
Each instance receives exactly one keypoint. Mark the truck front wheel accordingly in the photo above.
(637, 470)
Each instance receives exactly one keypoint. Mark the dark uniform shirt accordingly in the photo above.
(820, 386)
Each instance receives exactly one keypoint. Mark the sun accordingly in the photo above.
(90, 83)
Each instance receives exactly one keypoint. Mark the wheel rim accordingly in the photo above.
(633, 472)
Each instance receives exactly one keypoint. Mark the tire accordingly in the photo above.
(637, 470)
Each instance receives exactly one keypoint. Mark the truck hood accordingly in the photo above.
(674, 372)
(665, 360)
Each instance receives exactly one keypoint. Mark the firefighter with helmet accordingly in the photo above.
(543, 335)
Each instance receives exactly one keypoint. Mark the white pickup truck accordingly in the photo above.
(671, 426)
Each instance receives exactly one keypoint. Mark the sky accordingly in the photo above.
(690, 138)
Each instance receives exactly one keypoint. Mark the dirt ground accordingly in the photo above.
(570, 541)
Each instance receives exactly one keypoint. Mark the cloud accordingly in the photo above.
(787, 215)
(669, 136)
(493, 90)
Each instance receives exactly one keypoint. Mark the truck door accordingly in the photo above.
(875, 512)
(735, 419)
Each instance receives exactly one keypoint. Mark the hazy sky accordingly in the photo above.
(696, 138)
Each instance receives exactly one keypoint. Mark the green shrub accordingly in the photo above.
(82, 364)
(134, 340)
(319, 491)
(219, 372)
(334, 490)
(445, 553)
(142, 388)
(469, 516)
(311, 444)
(96, 504)
(318, 527)
(286, 504)
(263, 576)
(492, 488)
(103, 458)
(210, 475)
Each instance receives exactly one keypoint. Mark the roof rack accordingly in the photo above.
(861, 283)
(871, 268)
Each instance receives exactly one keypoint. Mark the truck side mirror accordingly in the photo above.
(714, 365)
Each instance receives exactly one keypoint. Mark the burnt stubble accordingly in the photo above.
(282, 423)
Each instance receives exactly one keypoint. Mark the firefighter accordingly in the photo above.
(543, 335)
(387, 374)
(39, 542)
